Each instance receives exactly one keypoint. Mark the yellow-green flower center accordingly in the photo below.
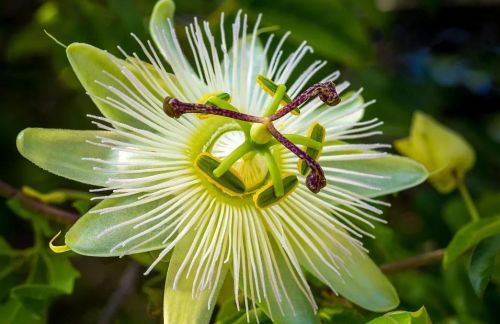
(240, 165)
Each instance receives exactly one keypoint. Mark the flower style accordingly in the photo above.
(229, 170)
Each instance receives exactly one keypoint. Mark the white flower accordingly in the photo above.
(159, 191)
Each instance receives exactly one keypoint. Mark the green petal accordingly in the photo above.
(364, 284)
(61, 152)
(299, 310)
(402, 173)
(84, 236)
(89, 62)
(178, 305)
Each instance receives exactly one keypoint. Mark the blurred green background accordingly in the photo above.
(440, 57)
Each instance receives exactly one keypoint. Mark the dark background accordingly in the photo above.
(440, 57)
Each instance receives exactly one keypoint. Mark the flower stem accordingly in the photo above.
(275, 173)
(469, 203)
(413, 262)
(37, 206)
(232, 158)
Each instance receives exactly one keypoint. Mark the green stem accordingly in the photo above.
(303, 140)
(469, 203)
(278, 96)
(37, 206)
(275, 173)
(232, 158)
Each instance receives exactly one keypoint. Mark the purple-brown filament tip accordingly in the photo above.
(326, 92)
(316, 180)
(167, 108)
(175, 108)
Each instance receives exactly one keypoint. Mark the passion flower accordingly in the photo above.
(229, 169)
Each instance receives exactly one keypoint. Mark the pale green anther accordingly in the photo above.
(222, 101)
(303, 140)
(268, 196)
(229, 182)
(271, 88)
(317, 134)
(234, 156)
(260, 134)
(275, 103)
(275, 173)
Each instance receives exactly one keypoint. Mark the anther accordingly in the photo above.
(316, 180)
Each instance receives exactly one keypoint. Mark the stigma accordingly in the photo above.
(261, 134)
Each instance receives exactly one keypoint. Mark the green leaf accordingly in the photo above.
(61, 152)
(398, 173)
(362, 283)
(13, 312)
(341, 314)
(82, 206)
(39, 222)
(326, 34)
(153, 289)
(61, 274)
(85, 237)
(35, 297)
(460, 294)
(254, 316)
(470, 235)
(299, 309)
(178, 304)
(482, 262)
(228, 313)
(402, 317)
(5, 248)
(47, 280)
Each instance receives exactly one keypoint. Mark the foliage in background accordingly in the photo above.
(442, 60)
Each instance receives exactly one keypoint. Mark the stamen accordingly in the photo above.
(234, 156)
(316, 179)
(326, 91)
(261, 134)
(175, 108)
